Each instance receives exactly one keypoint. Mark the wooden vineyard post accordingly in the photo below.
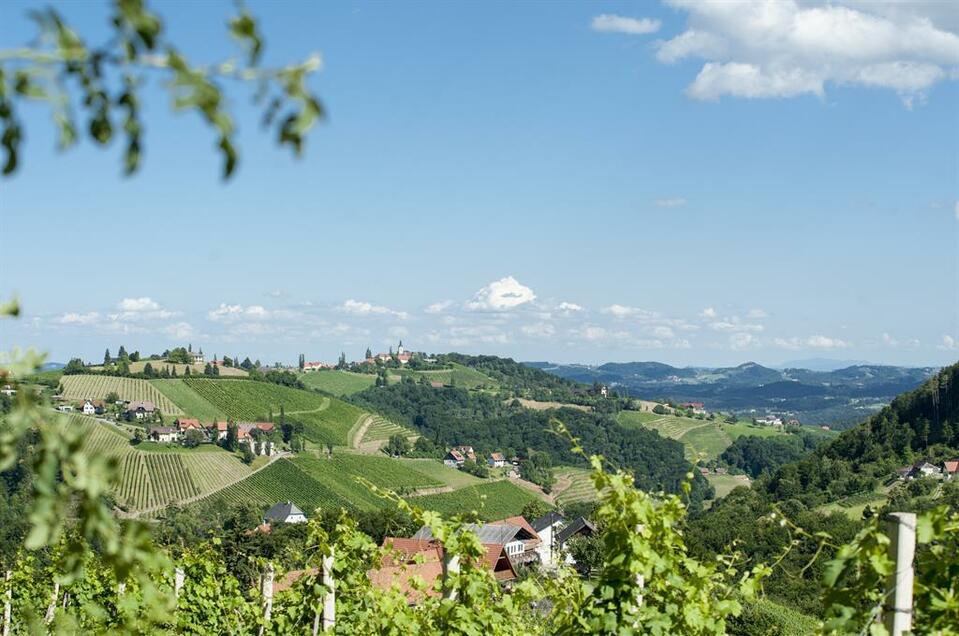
(7, 604)
(52, 607)
(897, 615)
(179, 576)
(266, 588)
(329, 600)
(451, 566)
(640, 579)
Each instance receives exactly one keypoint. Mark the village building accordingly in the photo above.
(454, 459)
(93, 407)
(547, 528)
(246, 433)
(919, 470)
(950, 468)
(402, 356)
(696, 407)
(8, 390)
(284, 512)
(165, 434)
(65, 408)
(515, 534)
(140, 409)
(316, 366)
(496, 460)
(769, 420)
(218, 430)
(197, 357)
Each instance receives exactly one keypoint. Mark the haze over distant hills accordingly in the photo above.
(839, 397)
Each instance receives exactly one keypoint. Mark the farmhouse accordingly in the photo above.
(454, 459)
(285, 512)
(514, 534)
(547, 527)
(923, 469)
(8, 390)
(316, 366)
(140, 409)
(695, 407)
(496, 460)
(950, 468)
(197, 356)
(93, 407)
(247, 433)
(163, 434)
(218, 430)
(769, 420)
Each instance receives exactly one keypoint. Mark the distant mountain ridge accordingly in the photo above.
(837, 397)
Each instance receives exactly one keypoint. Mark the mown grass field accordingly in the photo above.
(724, 484)
(189, 401)
(702, 439)
(447, 476)
(248, 401)
(502, 499)
(854, 505)
(460, 376)
(97, 387)
(337, 382)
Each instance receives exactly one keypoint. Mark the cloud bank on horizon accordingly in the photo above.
(782, 48)
(502, 315)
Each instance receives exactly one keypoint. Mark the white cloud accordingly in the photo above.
(812, 342)
(949, 343)
(741, 340)
(500, 295)
(756, 314)
(671, 202)
(784, 48)
(539, 330)
(709, 312)
(179, 330)
(73, 318)
(622, 311)
(569, 308)
(889, 340)
(361, 308)
(138, 304)
(734, 325)
(663, 332)
(438, 308)
(609, 23)
(232, 313)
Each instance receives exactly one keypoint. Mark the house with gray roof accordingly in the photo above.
(284, 512)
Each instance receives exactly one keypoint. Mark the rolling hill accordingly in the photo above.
(838, 397)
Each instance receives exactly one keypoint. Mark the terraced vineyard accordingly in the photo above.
(283, 480)
(329, 425)
(337, 382)
(150, 480)
(248, 400)
(381, 471)
(382, 429)
(79, 387)
(189, 401)
(503, 499)
(580, 486)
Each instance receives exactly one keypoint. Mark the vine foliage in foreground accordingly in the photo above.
(103, 83)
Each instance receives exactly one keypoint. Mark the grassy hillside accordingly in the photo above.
(573, 485)
(79, 387)
(312, 483)
(188, 400)
(195, 369)
(459, 375)
(381, 429)
(702, 439)
(492, 500)
(443, 474)
(337, 382)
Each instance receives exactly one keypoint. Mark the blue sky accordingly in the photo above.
(697, 184)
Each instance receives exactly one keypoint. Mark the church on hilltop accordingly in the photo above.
(401, 355)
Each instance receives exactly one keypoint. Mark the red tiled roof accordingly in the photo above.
(497, 457)
(951, 466)
(185, 422)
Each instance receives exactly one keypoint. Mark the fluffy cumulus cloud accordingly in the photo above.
(784, 48)
(138, 304)
(75, 318)
(949, 343)
(501, 295)
(569, 308)
(361, 308)
(670, 202)
(439, 307)
(741, 341)
(709, 312)
(142, 309)
(236, 313)
(812, 342)
(611, 23)
(179, 330)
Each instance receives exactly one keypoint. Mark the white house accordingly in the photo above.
(197, 357)
(165, 434)
(285, 512)
(65, 408)
(547, 527)
(316, 366)
(88, 408)
(141, 409)
(496, 460)
(8, 390)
